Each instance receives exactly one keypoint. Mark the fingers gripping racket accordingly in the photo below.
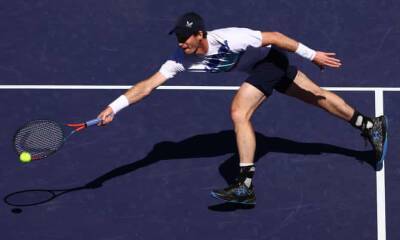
(42, 138)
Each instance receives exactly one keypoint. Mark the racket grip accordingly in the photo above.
(93, 122)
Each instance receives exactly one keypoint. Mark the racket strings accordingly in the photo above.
(40, 138)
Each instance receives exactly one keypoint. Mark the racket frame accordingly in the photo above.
(75, 126)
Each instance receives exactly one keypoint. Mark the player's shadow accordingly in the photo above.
(218, 144)
(221, 143)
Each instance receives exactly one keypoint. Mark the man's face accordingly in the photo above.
(191, 44)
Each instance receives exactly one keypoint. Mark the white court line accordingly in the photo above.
(380, 179)
(110, 87)
(380, 176)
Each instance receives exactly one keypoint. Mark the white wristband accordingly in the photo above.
(119, 103)
(306, 52)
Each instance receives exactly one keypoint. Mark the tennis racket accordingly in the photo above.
(42, 138)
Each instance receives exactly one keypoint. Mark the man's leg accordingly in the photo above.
(306, 90)
(246, 101)
(374, 129)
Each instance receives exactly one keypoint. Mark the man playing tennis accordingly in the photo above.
(261, 56)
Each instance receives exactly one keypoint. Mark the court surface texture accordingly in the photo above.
(148, 175)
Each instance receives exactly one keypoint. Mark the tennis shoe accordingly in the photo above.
(236, 193)
(377, 136)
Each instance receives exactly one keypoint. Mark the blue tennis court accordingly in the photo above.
(148, 175)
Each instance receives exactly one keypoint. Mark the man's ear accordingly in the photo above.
(200, 34)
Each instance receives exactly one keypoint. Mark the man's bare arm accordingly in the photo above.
(321, 59)
(279, 40)
(133, 95)
(144, 88)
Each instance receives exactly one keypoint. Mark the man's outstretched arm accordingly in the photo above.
(132, 95)
(321, 59)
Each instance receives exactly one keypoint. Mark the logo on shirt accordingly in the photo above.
(223, 61)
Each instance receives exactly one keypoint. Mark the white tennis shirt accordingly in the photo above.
(228, 49)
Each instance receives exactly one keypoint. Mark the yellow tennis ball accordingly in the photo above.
(25, 157)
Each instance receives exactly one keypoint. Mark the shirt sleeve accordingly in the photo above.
(173, 65)
(250, 37)
(170, 68)
(240, 39)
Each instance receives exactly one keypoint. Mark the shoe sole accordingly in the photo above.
(217, 196)
(379, 164)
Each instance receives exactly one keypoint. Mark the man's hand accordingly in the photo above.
(323, 59)
(106, 116)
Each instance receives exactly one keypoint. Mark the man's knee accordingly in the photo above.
(315, 95)
(320, 93)
(238, 115)
(318, 96)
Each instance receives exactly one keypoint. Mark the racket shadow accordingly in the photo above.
(210, 145)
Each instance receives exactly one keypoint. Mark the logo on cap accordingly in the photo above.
(189, 24)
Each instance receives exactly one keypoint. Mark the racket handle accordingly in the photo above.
(93, 122)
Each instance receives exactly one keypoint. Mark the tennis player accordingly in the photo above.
(262, 55)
